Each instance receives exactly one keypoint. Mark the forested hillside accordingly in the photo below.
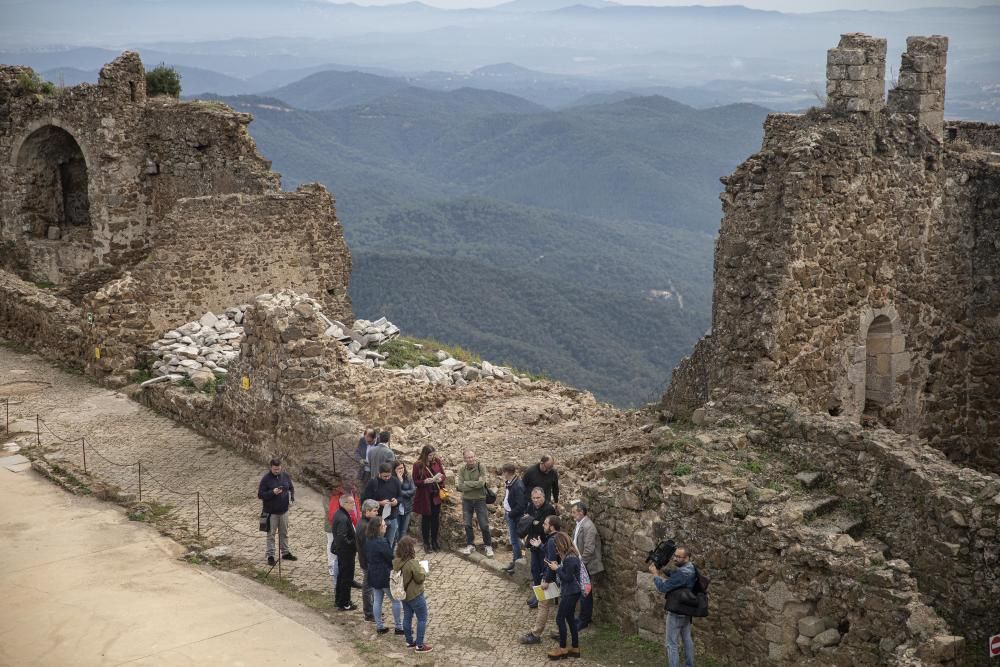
(575, 243)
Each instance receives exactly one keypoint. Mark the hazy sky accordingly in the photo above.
(781, 5)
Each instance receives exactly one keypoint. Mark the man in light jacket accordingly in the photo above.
(588, 543)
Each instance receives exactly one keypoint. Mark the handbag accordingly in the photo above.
(585, 584)
(524, 525)
(442, 492)
(491, 496)
(265, 521)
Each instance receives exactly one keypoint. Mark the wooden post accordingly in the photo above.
(83, 441)
(198, 500)
(140, 481)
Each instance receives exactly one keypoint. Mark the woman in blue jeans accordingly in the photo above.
(568, 575)
(414, 602)
(379, 557)
(407, 489)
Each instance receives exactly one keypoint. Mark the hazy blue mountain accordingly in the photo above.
(335, 89)
(548, 5)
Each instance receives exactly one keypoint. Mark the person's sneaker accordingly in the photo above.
(411, 645)
(558, 653)
(289, 556)
(370, 618)
(399, 631)
(270, 561)
(468, 549)
(436, 546)
(509, 569)
(573, 653)
(530, 638)
(382, 631)
(533, 601)
(427, 548)
(348, 607)
(425, 648)
(489, 552)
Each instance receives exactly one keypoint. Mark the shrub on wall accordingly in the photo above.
(163, 80)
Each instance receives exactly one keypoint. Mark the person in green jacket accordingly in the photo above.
(471, 483)
(414, 603)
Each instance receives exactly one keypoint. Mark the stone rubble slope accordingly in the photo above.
(202, 350)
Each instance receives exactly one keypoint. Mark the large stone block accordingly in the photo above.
(839, 56)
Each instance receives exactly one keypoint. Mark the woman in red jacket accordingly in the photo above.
(428, 475)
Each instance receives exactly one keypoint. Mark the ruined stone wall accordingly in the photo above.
(36, 318)
(87, 138)
(808, 523)
(982, 136)
(200, 148)
(88, 173)
(853, 247)
(214, 252)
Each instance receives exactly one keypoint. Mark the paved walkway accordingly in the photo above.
(83, 586)
(476, 616)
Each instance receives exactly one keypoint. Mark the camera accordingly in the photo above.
(661, 554)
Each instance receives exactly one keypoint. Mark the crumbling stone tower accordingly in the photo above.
(856, 266)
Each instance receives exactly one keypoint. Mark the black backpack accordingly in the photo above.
(690, 601)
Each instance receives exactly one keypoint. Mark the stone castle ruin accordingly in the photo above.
(99, 182)
(857, 264)
(828, 452)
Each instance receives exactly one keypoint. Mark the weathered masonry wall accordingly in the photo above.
(200, 148)
(856, 264)
(88, 173)
(214, 252)
(83, 145)
(860, 551)
(35, 318)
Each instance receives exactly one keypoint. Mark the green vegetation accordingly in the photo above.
(149, 512)
(756, 466)
(30, 83)
(163, 80)
(682, 469)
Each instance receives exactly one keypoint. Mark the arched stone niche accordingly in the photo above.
(879, 360)
(53, 173)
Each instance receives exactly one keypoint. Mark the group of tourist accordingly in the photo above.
(371, 530)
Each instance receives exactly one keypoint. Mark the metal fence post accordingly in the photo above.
(38, 430)
(83, 441)
(6, 416)
(198, 501)
(140, 481)
(333, 458)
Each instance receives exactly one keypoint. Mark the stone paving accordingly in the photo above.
(475, 615)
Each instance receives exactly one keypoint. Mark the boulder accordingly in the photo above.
(208, 320)
(201, 378)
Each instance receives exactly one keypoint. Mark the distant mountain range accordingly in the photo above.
(576, 243)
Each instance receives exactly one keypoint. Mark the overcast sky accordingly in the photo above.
(781, 5)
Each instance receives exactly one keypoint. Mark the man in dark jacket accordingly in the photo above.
(545, 476)
(515, 505)
(345, 546)
(277, 492)
(386, 489)
(538, 510)
(369, 510)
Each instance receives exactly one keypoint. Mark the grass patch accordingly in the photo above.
(756, 466)
(682, 469)
(44, 284)
(403, 352)
(149, 512)
(15, 346)
(608, 646)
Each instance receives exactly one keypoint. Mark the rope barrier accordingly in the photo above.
(159, 483)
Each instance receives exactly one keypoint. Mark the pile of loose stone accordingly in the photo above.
(199, 350)
(203, 349)
(364, 339)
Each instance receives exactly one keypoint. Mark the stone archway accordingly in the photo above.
(54, 182)
(885, 360)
